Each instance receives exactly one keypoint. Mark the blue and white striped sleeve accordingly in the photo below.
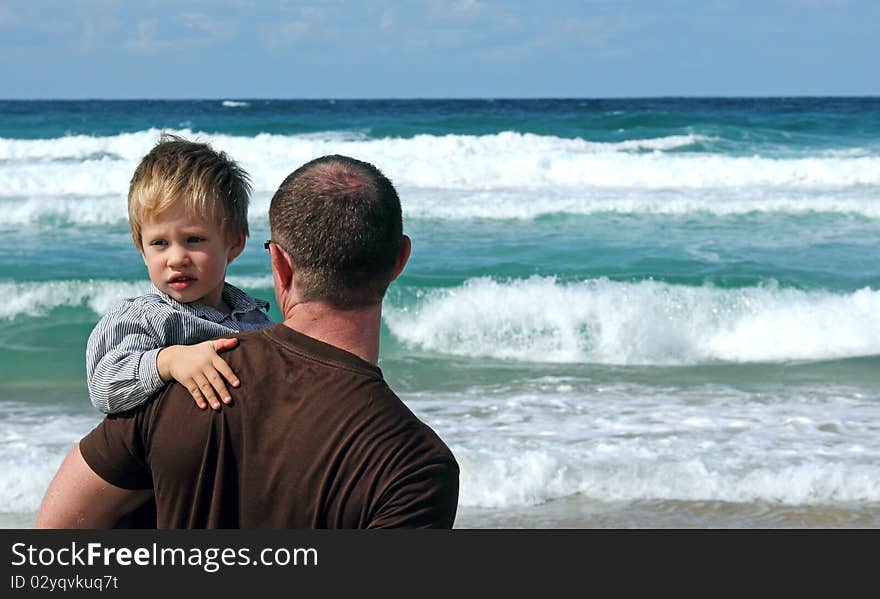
(121, 360)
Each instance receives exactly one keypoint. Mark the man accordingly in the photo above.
(314, 438)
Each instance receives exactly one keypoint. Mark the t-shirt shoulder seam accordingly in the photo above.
(320, 360)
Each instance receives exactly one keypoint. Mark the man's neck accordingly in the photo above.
(355, 331)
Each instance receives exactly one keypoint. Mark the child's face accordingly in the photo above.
(187, 257)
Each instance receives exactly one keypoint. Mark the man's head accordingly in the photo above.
(339, 221)
(179, 173)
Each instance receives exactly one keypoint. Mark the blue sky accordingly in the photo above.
(437, 48)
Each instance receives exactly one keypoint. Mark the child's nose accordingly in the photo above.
(178, 257)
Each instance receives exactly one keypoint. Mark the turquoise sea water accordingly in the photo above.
(617, 313)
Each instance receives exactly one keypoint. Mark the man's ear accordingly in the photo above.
(236, 249)
(282, 269)
(403, 257)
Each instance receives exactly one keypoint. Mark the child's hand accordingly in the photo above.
(198, 368)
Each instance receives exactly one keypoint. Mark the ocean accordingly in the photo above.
(618, 313)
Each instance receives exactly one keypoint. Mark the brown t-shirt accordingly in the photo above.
(314, 439)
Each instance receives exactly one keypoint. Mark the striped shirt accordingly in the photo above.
(121, 353)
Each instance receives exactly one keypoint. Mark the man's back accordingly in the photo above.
(314, 439)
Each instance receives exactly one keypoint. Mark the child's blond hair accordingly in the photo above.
(209, 183)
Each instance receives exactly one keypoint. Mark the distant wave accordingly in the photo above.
(61, 211)
(36, 299)
(667, 449)
(794, 445)
(34, 442)
(68, 165)
(505, 478)
(502, 204)
(526, 204)
(541, 319)
(235, 104)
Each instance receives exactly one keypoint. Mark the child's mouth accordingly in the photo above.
(180, 282)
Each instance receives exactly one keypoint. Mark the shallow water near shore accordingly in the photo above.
(623, 313)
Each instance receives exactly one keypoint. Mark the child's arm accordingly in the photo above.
(199, 368)
(121, 360)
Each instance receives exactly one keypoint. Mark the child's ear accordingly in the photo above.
(236, 249)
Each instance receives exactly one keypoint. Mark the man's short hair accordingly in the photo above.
(339, 220)
(208, 183)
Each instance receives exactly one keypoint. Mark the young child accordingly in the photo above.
(187, 208)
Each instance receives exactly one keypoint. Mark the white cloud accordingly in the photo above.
(155, 35)
(292, 31)
(89, 36)
(7, 17)
(387, 19)
(101, 7)
(145, 39)
(585, 26)
(474, 12)
(215, 29)
(314, 22)
(317, 13)
(96, 31)
(466, 6)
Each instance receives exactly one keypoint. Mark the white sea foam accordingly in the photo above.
(124, 146)
(35, 299)
(72, 210)
(526, 204)
(33, 442)
(598, 321)
(99, 166)
(39, 298)
(628, 442)
(605, 443)
(235, 104)
(252, 282)
(670, 142)
(528, 477)
(496, 204)
(541, 319)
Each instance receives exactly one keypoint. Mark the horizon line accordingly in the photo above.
(437, 98)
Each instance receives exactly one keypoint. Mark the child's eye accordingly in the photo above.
(194, 239)
(159, 242)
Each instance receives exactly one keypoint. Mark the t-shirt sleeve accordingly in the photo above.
(115, 450)
(423, 496)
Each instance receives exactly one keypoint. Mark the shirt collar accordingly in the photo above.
(239, 301)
